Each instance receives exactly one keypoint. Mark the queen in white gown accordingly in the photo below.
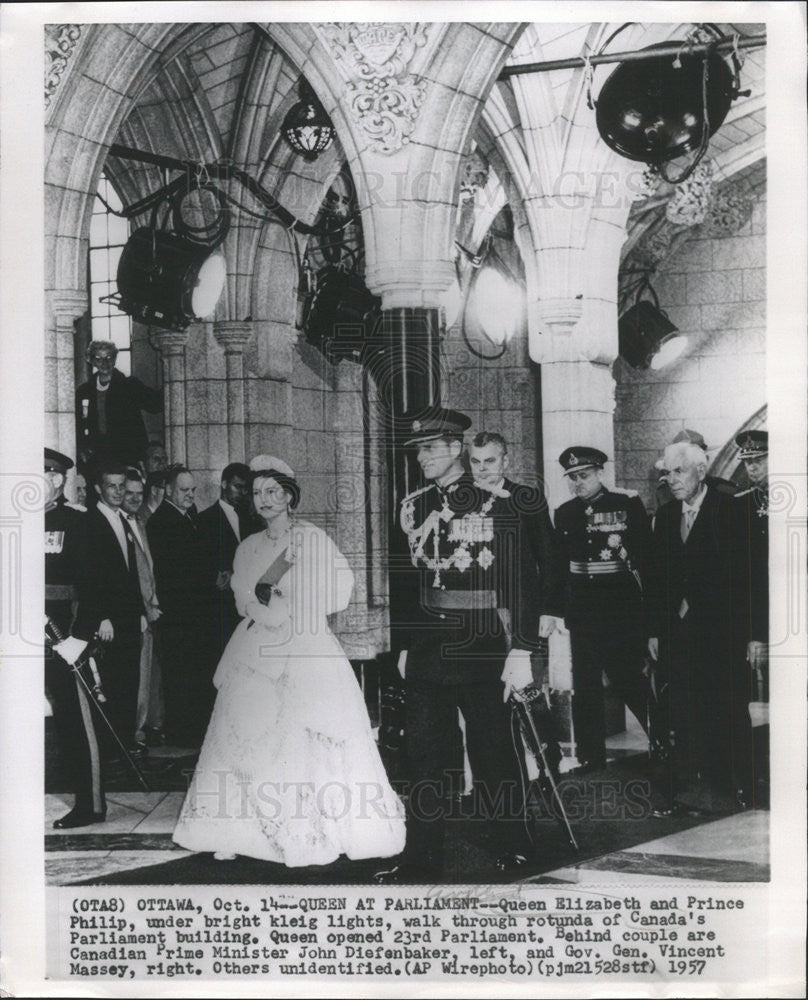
(289, 770)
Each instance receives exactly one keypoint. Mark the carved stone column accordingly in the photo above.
(60, 372)
(171, 345)
(232, 336)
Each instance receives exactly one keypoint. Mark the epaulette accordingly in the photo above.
(623, 492)
(76, 506)
(418, 492)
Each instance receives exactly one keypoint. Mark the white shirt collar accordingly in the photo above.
(697, 502)
(232, 516)
(114, 518)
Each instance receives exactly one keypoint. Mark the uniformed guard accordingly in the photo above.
(72, 712)
(752, 508)
(453, 646)
(602, 537)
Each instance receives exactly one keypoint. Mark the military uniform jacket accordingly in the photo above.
(65, 531)
(601, 551)
(468, 563)
(752, 516)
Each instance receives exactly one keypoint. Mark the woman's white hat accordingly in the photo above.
(271, 462)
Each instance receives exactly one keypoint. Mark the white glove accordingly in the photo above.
(70, 649)
(517, 673)
(402, 663)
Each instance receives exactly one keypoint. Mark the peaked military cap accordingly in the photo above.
(581, 457)
(57, 461)
(432, 424)
(753, 444)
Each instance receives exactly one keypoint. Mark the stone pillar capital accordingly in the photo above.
(232, 335)
(67, 306)
(170, 342)
(551, 324)
(411, 283)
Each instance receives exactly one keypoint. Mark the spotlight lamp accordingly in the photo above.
(493, 303)
(306, 127)
(167, 280)
(647, 337)
(658, 108)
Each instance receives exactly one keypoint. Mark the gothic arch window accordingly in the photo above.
(108, 234)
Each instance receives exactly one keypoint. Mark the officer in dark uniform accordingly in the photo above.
(453, 644)
(752, 510)
(602, 536)
(72, 712)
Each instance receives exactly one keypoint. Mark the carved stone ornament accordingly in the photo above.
(60, 41)
(384, 99)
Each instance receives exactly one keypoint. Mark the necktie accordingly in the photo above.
(131, 558)
(688, 517)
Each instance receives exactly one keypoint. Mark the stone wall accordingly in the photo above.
(715, 291)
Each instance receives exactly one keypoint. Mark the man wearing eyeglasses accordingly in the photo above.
(109, 422)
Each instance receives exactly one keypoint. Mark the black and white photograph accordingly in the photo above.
(420, 600)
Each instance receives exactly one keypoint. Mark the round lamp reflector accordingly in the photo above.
(208, 287)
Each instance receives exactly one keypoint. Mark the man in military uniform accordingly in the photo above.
(752, 508)
(453, 648)
(602, 537)
(72, 712)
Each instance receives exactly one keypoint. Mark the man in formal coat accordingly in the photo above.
(602, 537)
(150, 690)
(222, 526)
(693, 622)
(109, 423)
(73, 714)
(185, 634)
(523, 510)
(453, 650)
(752, 509)
(110, 601)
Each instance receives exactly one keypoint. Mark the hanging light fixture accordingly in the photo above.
(658, 108)
(168, 280)
(306, 127)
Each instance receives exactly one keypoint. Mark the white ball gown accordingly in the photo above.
(289, 771)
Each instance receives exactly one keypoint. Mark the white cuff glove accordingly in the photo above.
(402, 663)
(517, 673)
(70, 649)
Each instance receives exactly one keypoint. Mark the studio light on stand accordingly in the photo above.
(648, 339)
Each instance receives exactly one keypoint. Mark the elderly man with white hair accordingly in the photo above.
(692, 623)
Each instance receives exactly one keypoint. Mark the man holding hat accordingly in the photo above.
(453, 647)
(603, 537)
(752, 509)
(72, 712)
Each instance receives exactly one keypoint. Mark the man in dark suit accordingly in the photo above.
(179, 571)
(110, 601)
(693, 621)
(523, 511)
(73, 713)
(453, 650)
(222, 526)
(150, 691)
(602, 536)
(109, 423)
